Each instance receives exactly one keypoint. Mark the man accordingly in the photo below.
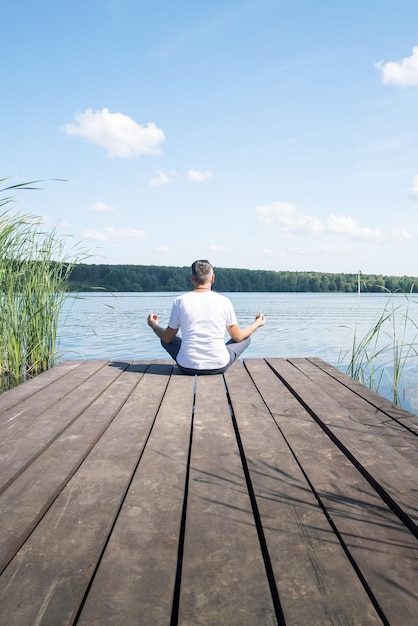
(203, 315)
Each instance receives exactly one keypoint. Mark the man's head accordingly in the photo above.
(202, 272)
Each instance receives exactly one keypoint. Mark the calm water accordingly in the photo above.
(298, 325)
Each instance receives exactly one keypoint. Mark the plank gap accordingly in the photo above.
(380, 490)
(182, 533)
(152, 370)
(338, 535)
(257, 518)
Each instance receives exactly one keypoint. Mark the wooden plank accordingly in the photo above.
(27, 499)
(34, 385)
(395, 412)
(390, 472)
(136, 578)
(223, 578)
(390, 431)
(17, 419)
(17, 452)
(381, 549)
(48, 578)
(316, 582)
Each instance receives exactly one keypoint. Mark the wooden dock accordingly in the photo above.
(281, 492)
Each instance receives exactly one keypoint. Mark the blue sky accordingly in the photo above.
(260, 134)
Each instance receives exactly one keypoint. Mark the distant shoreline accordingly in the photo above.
(153, 278)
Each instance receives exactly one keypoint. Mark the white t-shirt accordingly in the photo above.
(202, 319)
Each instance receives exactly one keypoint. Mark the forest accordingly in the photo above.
(137, 278)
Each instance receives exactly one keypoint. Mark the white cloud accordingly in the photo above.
(413, 192)
(198, 176)
(99, 207)
(316, 252)
(322, 251)
(117, 133)
(162, 249)
(287, 218)
(160, 179)
(115, 234)
(271, 254)
(343, 225)
(403, 73)
(402, 235)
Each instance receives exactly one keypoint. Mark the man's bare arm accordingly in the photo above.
(166, 334)
(239, 334)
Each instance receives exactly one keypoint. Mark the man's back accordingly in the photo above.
(202, 319)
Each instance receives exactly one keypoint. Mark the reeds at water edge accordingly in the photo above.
(33, 277)
(387, 348)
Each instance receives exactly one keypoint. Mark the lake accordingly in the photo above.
(96, 325)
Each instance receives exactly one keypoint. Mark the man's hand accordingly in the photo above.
(260, 319)
(166, 334)
(153, 320)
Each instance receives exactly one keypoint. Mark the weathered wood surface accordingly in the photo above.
(279, 493)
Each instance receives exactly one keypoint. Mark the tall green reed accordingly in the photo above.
(34, 269)
(386, 349)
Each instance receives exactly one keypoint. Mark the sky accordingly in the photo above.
(259, 134)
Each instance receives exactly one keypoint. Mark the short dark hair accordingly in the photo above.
(202, 270)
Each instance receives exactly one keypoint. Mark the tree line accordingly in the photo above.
(137, 278)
